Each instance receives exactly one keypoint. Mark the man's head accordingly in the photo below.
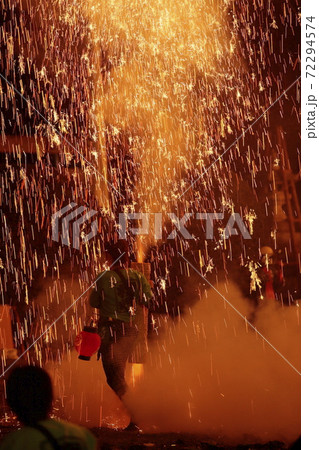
(114, 252)
(29, 394)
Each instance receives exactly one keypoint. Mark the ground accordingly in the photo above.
(111, 440)
(122, 440)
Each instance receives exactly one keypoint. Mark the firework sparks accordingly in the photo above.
(121, 106)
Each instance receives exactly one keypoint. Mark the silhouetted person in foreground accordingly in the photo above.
(30, 396)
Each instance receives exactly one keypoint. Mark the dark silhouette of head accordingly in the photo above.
(29, 394)
(114, 252)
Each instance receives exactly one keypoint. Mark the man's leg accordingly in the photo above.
(115, 352)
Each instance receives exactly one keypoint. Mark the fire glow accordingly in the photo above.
(152, 106)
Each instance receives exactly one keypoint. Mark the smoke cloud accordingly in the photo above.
(211, 373)
(208, 373)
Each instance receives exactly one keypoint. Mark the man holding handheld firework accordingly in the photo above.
(119, 295)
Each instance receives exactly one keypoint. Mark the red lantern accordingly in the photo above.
(87, 343)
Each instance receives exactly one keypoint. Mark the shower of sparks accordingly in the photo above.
(142, 96)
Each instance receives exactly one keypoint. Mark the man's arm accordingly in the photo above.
(95, 297)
